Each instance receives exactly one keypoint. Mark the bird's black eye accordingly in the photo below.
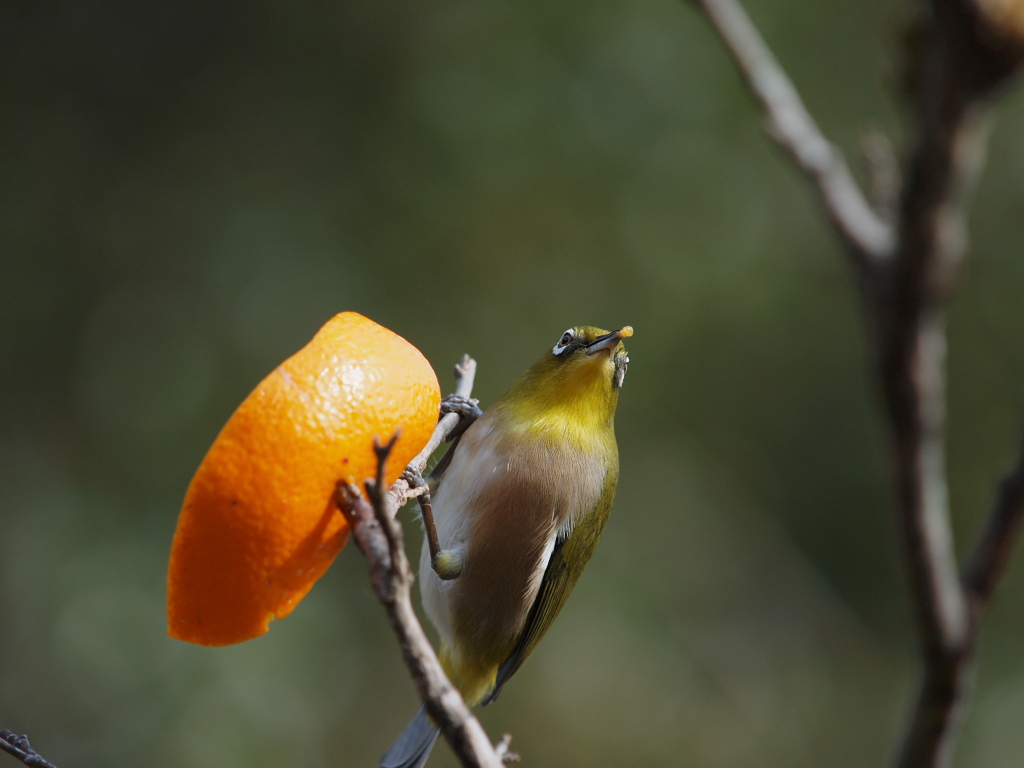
(564, 342)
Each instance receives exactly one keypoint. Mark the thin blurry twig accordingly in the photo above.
(502, 748)
(793, 129)
(379, 537)
(465, 373)
(19, 747)
(991, 553)
(907, 269)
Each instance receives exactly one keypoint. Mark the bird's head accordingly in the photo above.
(576, 381)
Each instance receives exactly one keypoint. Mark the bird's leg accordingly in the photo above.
(469, 411)
(447, 564)
(415, 480)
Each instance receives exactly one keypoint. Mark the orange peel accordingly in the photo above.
(259, 524)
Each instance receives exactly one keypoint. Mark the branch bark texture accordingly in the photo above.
(907, 270)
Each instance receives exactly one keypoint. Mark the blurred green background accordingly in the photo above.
(189, 190)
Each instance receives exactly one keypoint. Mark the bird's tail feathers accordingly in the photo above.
(412, 748)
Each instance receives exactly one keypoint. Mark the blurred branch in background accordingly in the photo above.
(993, 549)
(795, 131)
(18, 747)
(963, 51)
(379, 537)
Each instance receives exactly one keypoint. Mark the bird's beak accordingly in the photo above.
(609, 340)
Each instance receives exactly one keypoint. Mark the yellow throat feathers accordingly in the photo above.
(574, 403)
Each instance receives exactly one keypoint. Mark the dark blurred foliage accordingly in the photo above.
(190, 189)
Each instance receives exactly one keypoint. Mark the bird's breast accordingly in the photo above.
(500, 505)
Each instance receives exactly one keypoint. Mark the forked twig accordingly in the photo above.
(378, 535)
(907, 258)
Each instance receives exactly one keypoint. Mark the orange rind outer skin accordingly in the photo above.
(259, 524)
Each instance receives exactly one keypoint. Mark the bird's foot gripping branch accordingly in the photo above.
(446, 564)
(466, 407)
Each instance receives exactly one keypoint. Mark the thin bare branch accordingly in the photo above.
(379, 537)
(381, 503)
(913, 383)
(19, 747)
(883, 174)
(908, 257)
(867, 235)
(956, 74)
(992, 552)
(403, 490)
(465, 374)
(502, 748)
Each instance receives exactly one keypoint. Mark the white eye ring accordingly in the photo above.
(564, 342)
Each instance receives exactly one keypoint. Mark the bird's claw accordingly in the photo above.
(466, 407)
(414, 478)
(468, 411)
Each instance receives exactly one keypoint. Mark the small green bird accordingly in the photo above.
(518, 514)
